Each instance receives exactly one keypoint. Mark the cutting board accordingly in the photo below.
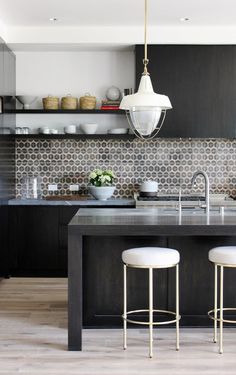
(76, 197)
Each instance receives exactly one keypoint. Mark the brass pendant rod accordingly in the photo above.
(145, 60)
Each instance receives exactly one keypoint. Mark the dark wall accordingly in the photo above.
(200, 81)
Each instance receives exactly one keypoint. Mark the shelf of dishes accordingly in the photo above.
(86, 128)
(66, 111)
(113, 97)
(68, 136)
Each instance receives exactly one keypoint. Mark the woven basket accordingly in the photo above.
(69, 102)
(51, 102)
(87, 101)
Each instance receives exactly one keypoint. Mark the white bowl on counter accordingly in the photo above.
(101, 193)
(89, 128)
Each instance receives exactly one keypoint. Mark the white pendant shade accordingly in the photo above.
(145, 110)
(145, 97)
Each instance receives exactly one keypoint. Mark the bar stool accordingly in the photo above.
(151, 258)
(224, 256)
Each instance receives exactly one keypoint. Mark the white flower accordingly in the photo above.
(100, 177)
(98, 172)
(110, 173)
(92, 175)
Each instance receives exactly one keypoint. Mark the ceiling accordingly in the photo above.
(83, 24)
(79, 13)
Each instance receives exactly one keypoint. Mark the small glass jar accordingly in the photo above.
(31, 187)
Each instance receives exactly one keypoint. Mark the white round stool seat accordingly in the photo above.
(223, 255)
(151, 256)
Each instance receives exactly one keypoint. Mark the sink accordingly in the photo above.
(197, 211)
(187, 211)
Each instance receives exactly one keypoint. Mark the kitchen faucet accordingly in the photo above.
(207, 187)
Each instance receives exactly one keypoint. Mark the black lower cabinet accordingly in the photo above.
(39, 244)
(34, 248)
(4, 269)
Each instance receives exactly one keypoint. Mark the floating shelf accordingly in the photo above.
(68, 136)
(66, 111)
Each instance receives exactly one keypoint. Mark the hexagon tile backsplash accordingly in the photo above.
(171, 162)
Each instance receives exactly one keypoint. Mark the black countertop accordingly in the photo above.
(123, 202)
(153, 221)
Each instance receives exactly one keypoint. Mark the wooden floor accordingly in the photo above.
(33, 340)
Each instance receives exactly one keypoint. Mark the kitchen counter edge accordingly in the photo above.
(88, 203)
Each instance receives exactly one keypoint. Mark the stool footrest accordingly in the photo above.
(172, 313)
(211, 315)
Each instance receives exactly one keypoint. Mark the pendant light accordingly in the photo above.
(145, 109)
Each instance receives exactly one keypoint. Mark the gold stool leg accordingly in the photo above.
(125, 310)
(150, 312)
(177, 306)
(221, 307)
(215, 304)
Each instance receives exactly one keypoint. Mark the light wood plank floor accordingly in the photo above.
(33, 340)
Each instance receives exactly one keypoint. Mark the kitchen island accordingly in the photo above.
(102, 235)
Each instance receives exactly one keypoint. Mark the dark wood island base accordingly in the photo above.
(97, 238)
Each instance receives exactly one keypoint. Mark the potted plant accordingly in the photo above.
(101, 184)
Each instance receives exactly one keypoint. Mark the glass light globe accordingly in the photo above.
(145, 119)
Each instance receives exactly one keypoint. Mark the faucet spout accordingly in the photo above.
(207, 187)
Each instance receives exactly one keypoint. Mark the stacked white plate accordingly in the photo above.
(118, 131)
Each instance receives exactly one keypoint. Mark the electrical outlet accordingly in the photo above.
(74, 188)
(52, 187)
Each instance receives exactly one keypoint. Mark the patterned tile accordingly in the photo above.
(171, 162)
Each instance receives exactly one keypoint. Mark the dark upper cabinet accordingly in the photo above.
(1, 79)
(200, 81)
(9, 78)
(7, 85)
(9, 119)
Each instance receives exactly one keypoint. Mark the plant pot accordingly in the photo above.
(102, 192)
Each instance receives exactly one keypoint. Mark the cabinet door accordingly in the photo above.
(9, 119)
(1, 79)
(200, 81)
(9, 77)
(36, 243)
(4, 265)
